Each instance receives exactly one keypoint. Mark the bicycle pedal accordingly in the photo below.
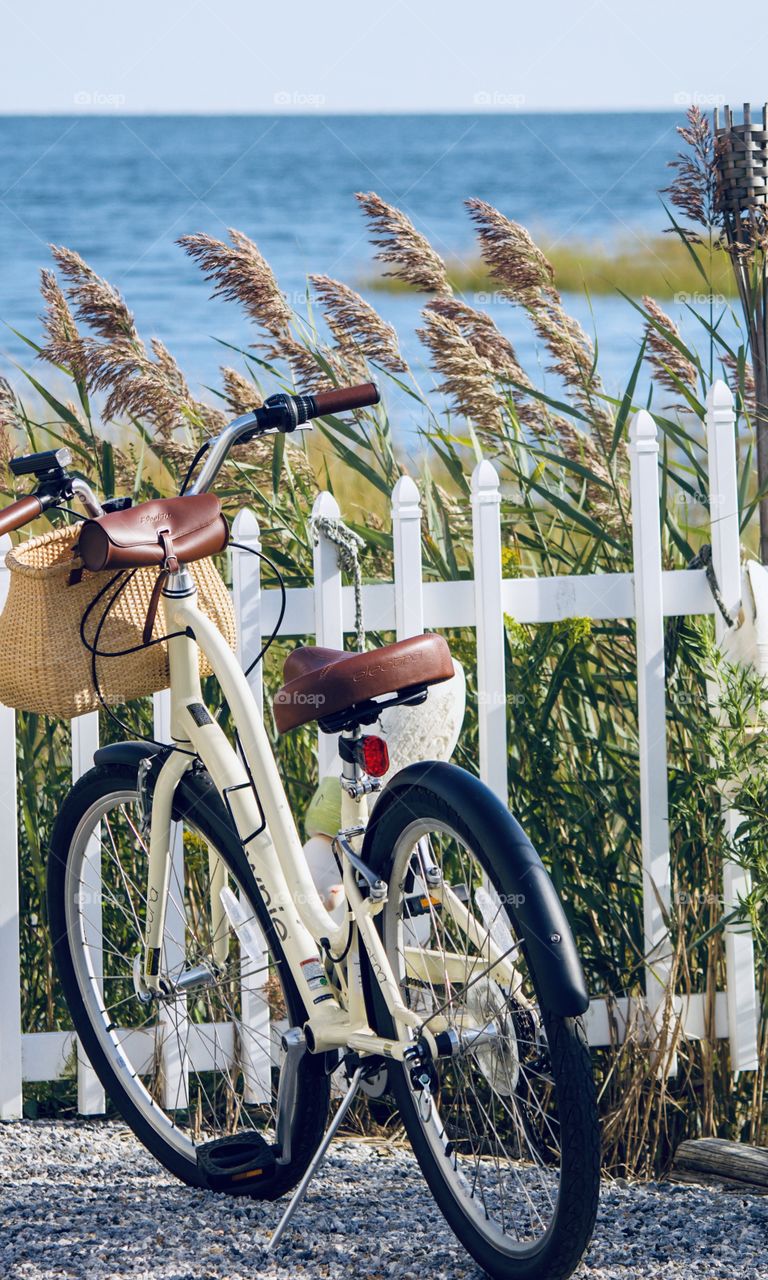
(236, 1163)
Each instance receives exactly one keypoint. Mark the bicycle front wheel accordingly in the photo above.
(506, 1129)
(200, 1060)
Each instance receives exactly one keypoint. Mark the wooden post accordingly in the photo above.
(726, 560)
(329, 625)
(651, 706)
(10, 968)
(489, 618)
(91, 1099)
(246, 592)
(406, 545)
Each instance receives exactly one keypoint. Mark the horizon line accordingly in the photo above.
(277, 114)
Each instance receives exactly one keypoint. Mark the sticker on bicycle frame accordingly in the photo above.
(199, 713)
(314, 973)
(319, 999)
(153, 962)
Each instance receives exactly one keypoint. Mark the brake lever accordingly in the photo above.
(272, 431)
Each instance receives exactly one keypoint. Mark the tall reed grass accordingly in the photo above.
(573, 749)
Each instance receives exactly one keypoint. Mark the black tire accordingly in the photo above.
(558, 1251)
(207, 816)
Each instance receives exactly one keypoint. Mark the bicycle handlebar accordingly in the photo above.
(281, 412)
(343, 398)
(19, 513)
(284, 413)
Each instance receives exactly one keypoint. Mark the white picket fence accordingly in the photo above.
(408, 606)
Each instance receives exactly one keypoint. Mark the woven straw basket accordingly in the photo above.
(44, 665)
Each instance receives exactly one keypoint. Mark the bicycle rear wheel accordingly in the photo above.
(202, 1060)
(506, 1129)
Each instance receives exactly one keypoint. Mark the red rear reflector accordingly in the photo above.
(375, 756)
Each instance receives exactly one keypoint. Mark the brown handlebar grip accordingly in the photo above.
(19, 513)
(342, 398)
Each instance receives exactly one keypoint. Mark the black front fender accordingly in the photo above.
(533, 901)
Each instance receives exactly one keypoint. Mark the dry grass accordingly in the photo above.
(659, 265)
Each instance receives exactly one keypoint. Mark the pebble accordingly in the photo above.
(85, 1201)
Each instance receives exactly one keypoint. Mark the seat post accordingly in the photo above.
(351, 773)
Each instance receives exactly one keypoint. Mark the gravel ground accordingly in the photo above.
(86, 1202)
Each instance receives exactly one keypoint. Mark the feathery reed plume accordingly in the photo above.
(10, 410)
(318, 367)
(480, 330)
(120, 364)
(398, 242)
(692, 190)
(242, 274)
(510, 253)
(527, 277)
(670, 366)
(98, 303)
(468, 378)
(354, 323)
(490, 346)
(741, 380)
(64, 345)
(137, 385)
(240, 393)
(11, 418)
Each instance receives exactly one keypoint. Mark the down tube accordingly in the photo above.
(266, 777)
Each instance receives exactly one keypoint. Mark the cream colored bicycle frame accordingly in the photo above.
(275, 854)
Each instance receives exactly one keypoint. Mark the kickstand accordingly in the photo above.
(317, 1159)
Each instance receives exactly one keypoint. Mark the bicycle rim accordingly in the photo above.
(201, 1061)
(490, 1116)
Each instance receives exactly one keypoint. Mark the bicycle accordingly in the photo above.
(450, 978)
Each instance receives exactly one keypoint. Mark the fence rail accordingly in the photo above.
(407, 606)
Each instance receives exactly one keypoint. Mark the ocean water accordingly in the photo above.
(121, 190)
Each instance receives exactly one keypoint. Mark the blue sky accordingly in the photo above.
(349, 55)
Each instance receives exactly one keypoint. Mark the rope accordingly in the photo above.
(702, 560)
(348, 546)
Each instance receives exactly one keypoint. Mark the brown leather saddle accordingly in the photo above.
(342, 690)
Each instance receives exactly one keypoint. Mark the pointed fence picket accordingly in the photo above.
(85, 742)
(740, 992)
(324, 612)
(406, 547)
(651, 705)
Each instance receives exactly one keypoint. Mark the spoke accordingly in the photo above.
(206, 1023)
(496, 1111)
